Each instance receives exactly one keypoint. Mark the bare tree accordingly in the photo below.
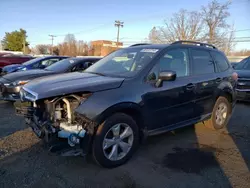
(42, 49)
(229, 41)
(68, 47)
(183, 25)
(244, 52)
(218, 31)
(82, 48)
(155, 36)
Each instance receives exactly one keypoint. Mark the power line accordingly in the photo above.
(240, 2)
(242, 30)
(85, 31)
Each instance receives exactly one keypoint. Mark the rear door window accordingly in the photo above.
(220, 61)
(202, 62)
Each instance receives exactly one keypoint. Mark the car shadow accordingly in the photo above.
(239, 130)
(183, 152)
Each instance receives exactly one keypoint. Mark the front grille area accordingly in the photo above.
(243, 87)
(243, 83)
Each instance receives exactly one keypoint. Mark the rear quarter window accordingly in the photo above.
(220, 61)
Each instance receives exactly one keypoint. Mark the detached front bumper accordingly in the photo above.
(9, 93)
(64, 140)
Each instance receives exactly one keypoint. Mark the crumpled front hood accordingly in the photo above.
(243, 73)
(69, 83)
(26, 75)
(12, 68)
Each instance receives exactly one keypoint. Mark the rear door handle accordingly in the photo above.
(218, 80)
(190, 86)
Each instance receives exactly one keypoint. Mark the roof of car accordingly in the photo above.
(85, 57)
(51, 56)
(158, 46)
(192, 44)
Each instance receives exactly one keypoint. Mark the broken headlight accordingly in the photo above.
(27, 95)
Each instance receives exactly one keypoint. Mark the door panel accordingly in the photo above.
(203, 75)
(170, 104)
(173, 102)
(205, 87)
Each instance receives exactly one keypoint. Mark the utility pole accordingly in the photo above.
(52, 40)
(118, 24)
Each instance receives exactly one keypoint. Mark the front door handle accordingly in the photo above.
(218, 80)
(190, 86)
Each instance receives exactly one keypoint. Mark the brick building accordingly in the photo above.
(104, 47)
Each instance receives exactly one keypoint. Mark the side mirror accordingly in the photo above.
(165, 76)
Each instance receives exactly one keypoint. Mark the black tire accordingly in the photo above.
(211, 123)
(97, 148)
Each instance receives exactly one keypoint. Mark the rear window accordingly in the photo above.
(202, 62)
(220, 61)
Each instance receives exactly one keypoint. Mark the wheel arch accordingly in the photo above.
(129, 108)
(227, 93)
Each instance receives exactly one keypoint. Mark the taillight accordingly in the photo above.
(235, 76)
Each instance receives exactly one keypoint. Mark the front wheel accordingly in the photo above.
(221, 113)
(115, 141)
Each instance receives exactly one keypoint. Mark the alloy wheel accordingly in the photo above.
(118, 141)
(221, 114)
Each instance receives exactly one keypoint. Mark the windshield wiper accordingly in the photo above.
(97, 73)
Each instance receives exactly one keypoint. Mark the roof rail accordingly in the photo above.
(139, 44)
(194, 42)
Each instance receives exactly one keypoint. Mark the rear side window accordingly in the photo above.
(202, 62)
(220, 61)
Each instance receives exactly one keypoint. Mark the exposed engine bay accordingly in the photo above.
(55, 119)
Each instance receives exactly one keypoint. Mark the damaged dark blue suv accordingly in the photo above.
(135, 92)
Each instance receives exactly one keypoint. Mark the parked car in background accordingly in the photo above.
(9, 59)
(37, 63)
(10, 84)
(233, 63)
(3, 53)
(243, 85)
(132, 93)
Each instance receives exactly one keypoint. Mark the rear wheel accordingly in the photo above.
(221, 113)
(115, 141)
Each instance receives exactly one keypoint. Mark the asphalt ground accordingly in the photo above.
(189, 157)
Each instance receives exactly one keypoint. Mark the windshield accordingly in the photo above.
(243, 64)
(125, 62)
(32, 61)
(61, 66)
